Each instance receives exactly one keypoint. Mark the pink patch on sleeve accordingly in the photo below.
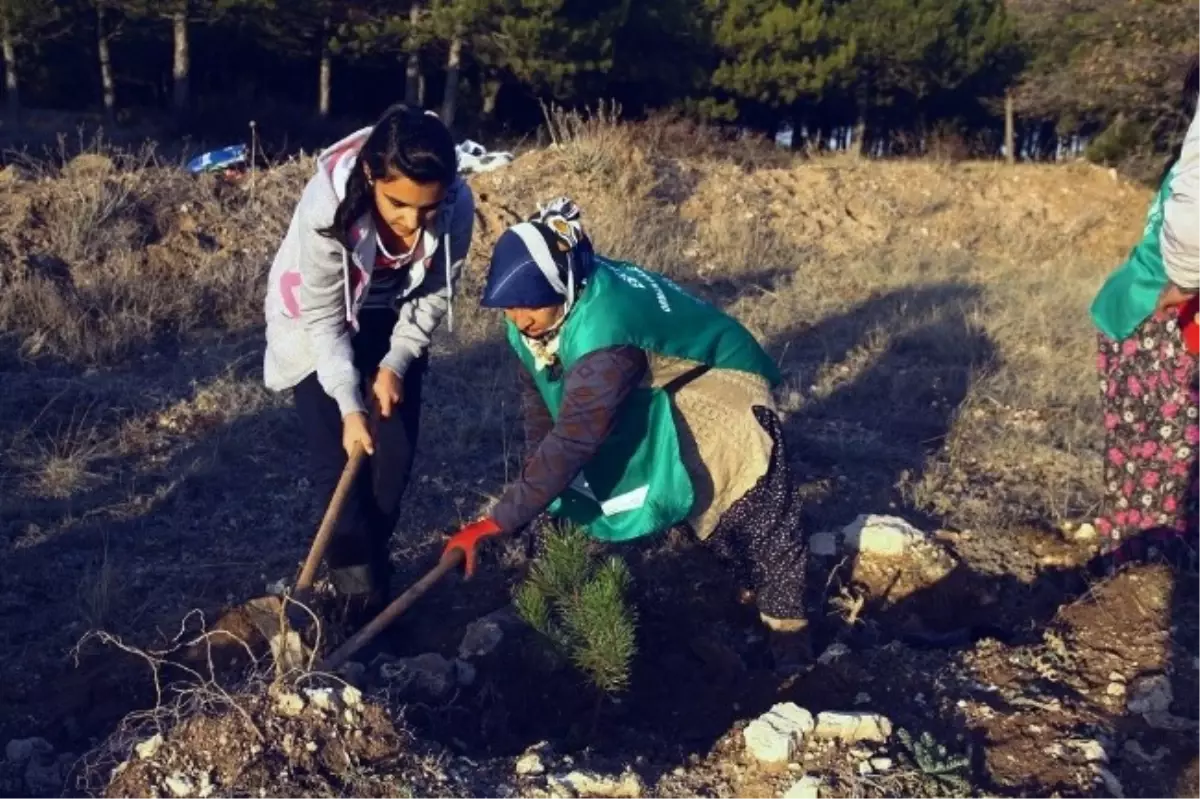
(289, 285)
(1129, 347)
(1111, 420)
(1170, 505)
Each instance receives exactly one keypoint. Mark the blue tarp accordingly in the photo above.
(218, 159)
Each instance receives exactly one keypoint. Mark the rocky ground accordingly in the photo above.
(941, 415)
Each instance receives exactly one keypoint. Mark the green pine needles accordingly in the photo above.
(578, 603)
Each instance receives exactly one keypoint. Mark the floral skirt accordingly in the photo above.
(1151, 438)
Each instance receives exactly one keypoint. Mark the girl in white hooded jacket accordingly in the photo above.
(363, 277)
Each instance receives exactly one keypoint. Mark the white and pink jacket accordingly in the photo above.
(316, 286)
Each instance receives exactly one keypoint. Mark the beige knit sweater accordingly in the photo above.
(724, 448)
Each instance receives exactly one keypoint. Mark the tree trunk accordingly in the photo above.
(858, 145)
(491, 90)
(326, 72)
(181, 64)
(450, 95)
(412, 69)
(107, 84)
(1010, 138)
(12, 96)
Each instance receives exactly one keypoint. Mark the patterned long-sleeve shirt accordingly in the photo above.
(595, 388)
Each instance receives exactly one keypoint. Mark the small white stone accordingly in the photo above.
(882, 764)
(179, 785)
(864, 768)
(1085, 532)
(832, 653)
(804, 788)
(322, 699)
(1151, 695)
(1092, 751)
(149, 747)
(529, 765)
(352, 697)
(774, 736)
(481, 638)
(823, 545)
(1115, 689)
(429, 673)
(589, 783)
(881, 535)
(851, 727)
(289, 705)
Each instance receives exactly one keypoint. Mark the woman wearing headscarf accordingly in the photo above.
(648, 408)
(1146, 314)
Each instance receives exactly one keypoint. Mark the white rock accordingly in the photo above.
(1092, 751)
(864, 768)
(352, 697)
(882, 764)
(851, 727)
(881, 535)
(1085, 532)
(1151, 695)
(322, 699)
(179, 785)
(149, 747)
(529, 765)
(589, 783)
(1115, 689)
(481, 638)
(804, 788)
(823, 545)
(20, 750)
(775, 736)
(832, 653)
(289, 704)
(430, 673)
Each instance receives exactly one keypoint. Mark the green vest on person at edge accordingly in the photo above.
(1130, 295)
(636, 484)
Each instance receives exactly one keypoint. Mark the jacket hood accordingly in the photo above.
(338, 160)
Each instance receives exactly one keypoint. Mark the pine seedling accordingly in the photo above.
(580, 606)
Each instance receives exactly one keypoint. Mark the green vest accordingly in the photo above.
(637, 484)
(1131, 293)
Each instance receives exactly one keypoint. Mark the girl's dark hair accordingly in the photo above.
(405, 141)
(1187, 107)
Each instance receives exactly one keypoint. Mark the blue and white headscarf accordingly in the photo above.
(540, 263)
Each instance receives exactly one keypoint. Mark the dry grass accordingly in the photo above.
(930, 319)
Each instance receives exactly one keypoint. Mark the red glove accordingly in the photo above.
(466, 539)
(1191, 330)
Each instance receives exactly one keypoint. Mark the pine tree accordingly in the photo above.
(579, 605)
(775, 54)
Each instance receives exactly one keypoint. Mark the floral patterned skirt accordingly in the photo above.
(1151, 438)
